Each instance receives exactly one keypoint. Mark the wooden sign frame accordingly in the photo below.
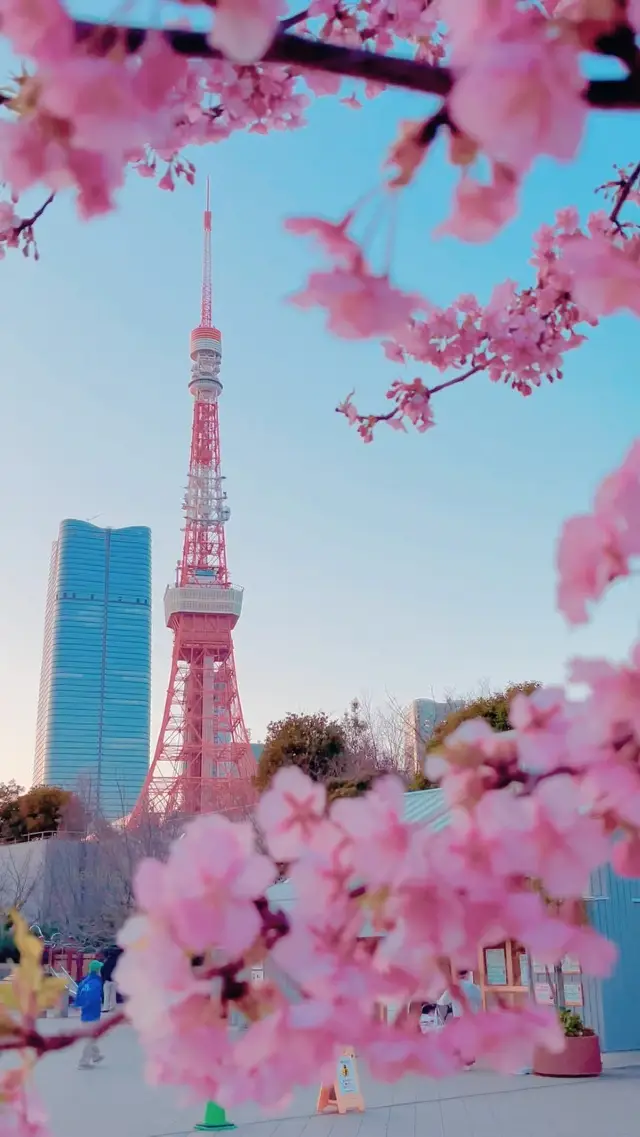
(343, 1093)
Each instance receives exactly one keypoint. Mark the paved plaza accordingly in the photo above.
(113, 1100)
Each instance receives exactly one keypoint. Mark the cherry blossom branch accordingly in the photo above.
(28, 1039)
(459, 379)
(356, 63)
(28, 222)
(626, 187)
(19, 231)
(412, 399)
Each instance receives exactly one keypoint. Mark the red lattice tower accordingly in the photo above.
(203, 760)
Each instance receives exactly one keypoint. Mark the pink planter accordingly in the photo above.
(581, 1058)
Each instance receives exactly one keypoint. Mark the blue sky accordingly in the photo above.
(413, 566)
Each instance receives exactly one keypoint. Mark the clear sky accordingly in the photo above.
(407, 568)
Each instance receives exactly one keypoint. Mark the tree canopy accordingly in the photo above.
(314, 742)
(42, 809)
(493, 708)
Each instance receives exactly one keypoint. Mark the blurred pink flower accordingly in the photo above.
(332, 236)
(605, 276)
(519, 94)
(290, 811)
(359, 305)
(480, 211)
(244, 29)
(589, 558)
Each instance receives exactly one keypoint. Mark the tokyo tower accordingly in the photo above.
(203, 760)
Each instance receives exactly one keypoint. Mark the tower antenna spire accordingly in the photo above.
(206, 313)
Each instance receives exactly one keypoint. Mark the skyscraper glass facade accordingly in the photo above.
(92, 732)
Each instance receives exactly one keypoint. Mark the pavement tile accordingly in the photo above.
(475, 1104)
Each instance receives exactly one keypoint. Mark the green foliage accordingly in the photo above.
(494, 708)
(348, 787)
(313, 742)
(573, 1025)
(42, 809)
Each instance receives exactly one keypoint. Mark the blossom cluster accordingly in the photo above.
(389, 911)
(519, 338)
(92, 102)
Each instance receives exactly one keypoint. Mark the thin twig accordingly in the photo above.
(459, 379)
(624, 193)
(29, 222)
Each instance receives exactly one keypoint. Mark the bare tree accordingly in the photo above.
(21, 877)
(90, 879)
(375, 738)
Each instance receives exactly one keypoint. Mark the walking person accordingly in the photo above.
(88, 998)
(473, 996)
(109, 992)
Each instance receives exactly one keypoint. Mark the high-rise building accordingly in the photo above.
(92, 733)
(422, 717)
(203, 761)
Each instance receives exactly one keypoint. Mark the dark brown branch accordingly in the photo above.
(297, 51)
(625, 190)
(459, 379)
(29, 222)
(356, 63)
(292, 21)
(43, 1044)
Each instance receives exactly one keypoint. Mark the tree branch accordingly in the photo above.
(29, 222)
(43, 1044)
(297, 51)
(625, 190)
(356, 63)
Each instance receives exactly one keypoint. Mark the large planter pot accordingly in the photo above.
(581, 1058)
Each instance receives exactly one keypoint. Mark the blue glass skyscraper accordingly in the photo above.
(92, 733)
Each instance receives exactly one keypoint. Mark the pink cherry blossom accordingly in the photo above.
(290, 811)
(589, 559)
(542, 720)
(376, 827)
(625, 857)
(520, 95)
(474, 21)
(208, 886)
(413, 402)
(594, 549)
(332, 237)
(480, 211)
(244, 29)
(39, 29)
(606, 276)
(358, 303)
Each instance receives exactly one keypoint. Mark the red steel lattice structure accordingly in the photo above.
(203, 760)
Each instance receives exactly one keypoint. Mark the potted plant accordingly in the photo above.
(581, 1057)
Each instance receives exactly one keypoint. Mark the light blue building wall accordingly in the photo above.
(93, 724)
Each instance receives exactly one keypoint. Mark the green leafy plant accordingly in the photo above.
(573, 1025)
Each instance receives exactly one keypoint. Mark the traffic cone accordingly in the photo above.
(215, 1119)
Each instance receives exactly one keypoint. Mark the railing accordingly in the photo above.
(45, 835)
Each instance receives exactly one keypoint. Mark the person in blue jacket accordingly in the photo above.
(88, 998)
